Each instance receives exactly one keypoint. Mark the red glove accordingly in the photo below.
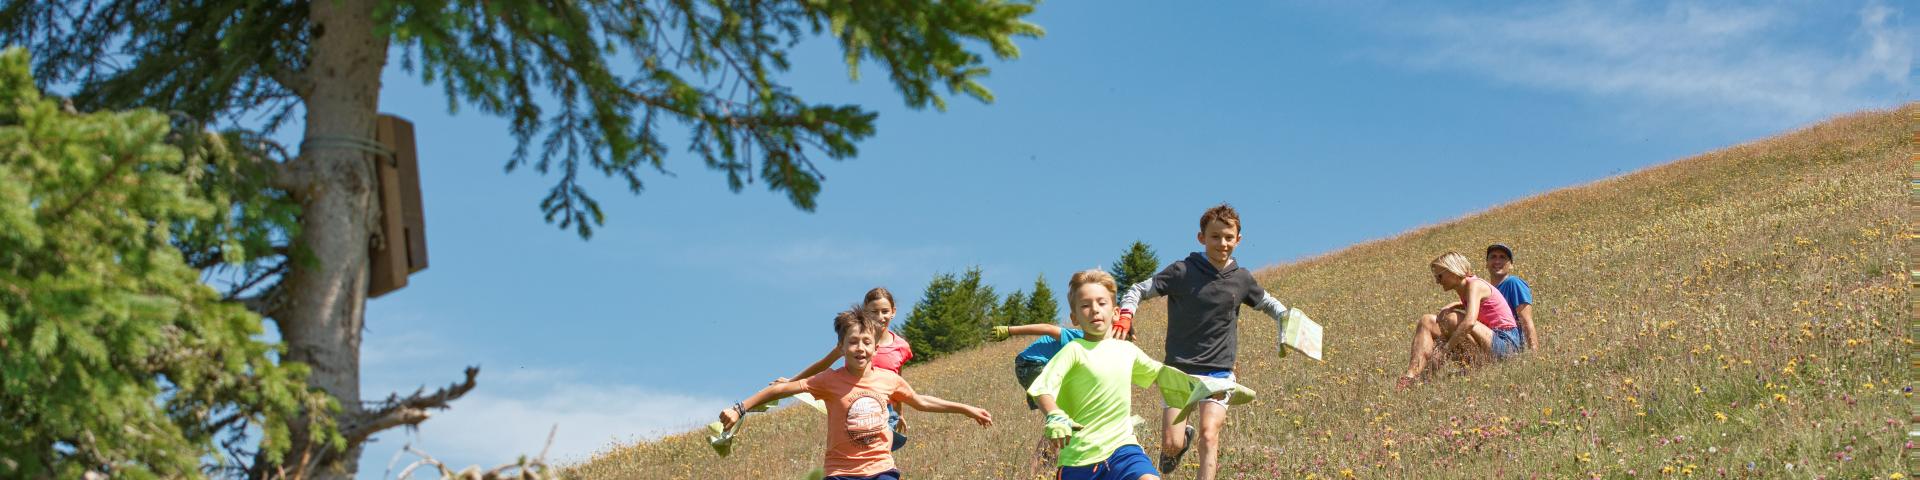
(1123, 327)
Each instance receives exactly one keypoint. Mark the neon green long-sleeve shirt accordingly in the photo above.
(1089, 381)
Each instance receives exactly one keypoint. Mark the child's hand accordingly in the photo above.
(1123, 326)
(979, 415)
(1000, 333)
(902, 425)
(1060, 428)
(730, 415)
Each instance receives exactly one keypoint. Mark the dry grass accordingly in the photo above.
(1737, 314)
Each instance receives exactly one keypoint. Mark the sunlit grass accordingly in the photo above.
(1739, 313)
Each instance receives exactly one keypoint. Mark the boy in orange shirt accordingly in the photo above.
(858, 440)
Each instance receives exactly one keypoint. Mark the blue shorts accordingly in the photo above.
(1126, 463)
(893, 424)
(1508, 342)
(886, 475)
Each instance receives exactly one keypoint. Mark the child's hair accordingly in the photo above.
(854, 320)
(1454, 262)
(1222, 212)
(1091, 275)
(878, 293)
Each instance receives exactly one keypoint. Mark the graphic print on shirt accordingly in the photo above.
(867, 421)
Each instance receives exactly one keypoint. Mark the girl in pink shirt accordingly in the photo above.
(1492, 332)
(857, 437)
(891, 351)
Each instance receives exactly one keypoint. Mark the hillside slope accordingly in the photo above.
(1737, 313)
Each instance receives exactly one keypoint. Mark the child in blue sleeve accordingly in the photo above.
(1027, 366)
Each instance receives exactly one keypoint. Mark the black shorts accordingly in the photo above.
(1025, 370)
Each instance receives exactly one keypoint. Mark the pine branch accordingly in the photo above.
(118, 164)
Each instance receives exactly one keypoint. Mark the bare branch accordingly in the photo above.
(263, 304)
(291, 176)
(294, 80)
(522, 469)
(404, 411)
(256, 278)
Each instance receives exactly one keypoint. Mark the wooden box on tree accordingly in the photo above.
(399, 247)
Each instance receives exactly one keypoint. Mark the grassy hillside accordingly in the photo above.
(1739, 313)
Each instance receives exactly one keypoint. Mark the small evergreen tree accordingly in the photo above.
(116, 359)
(952, 315)
(1013, 311)
(1135, 266)
(1041, 307)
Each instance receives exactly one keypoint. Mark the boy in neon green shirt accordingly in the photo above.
(1087, 383)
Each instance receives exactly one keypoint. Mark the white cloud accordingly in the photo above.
(1717, 57)
(488, 429)
(514, 408)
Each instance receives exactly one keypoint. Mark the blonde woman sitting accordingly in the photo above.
(1492, 334)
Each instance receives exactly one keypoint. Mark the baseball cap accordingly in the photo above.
(1501, 247)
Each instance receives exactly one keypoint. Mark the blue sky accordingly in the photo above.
(1325, 123)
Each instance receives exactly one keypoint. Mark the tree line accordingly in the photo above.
(956, 311)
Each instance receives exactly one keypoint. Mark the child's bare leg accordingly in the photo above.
(1211, 417)
(1173, 436)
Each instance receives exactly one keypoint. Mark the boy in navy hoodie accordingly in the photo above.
(1204, 294)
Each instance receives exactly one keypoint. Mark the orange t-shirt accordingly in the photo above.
(858, 440)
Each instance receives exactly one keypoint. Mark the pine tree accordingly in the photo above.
(952, 315)
(116, 359)
(1012, 311)
(587, 86)
(1135, 266)
(1042, 307)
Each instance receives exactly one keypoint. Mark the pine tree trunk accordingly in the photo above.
(325, 304)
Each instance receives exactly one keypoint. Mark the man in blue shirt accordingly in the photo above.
(1519, 295)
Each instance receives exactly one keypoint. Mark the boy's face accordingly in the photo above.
(857, 348)
(1220, 240)
(1498, 263)
(1093, 310)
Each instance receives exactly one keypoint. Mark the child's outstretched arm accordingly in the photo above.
(772, 392)
(1267, 304)
(814, 369)
(929, 403)
(1002, 332)
(1140, 292)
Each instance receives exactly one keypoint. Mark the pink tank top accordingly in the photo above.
(1494, 312)
(892, 357)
